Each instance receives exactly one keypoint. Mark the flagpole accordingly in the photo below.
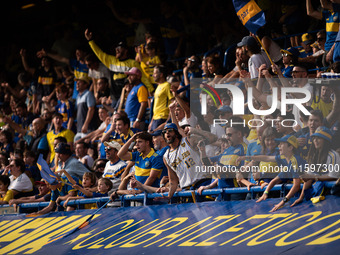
(271, 61)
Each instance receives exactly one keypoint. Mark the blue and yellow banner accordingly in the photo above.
(45, 171)
(250, 14)
(234, 227)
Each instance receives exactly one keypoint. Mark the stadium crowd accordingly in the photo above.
(129, 121)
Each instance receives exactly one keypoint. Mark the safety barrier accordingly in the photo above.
(148, 198)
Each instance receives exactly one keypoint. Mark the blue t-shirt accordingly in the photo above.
(66, 187)
(144, 165)
(303, 151)
(79, 70)
(290, 169)
(35, 172)
(66, 109)
(332, 27)
(132, 103)
(228, 158)
(287, 71)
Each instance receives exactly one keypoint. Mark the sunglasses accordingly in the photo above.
(191, 59)
(168, 130)
(285, 54)
(108, 148)
(320, 39)
(229, 134)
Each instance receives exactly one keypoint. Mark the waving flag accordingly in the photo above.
(250, 14)
(45, 171)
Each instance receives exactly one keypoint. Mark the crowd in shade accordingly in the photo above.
(114, 105)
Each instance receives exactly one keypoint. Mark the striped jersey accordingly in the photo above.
(113, 171)
(184, 160)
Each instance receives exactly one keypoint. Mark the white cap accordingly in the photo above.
(113, 145)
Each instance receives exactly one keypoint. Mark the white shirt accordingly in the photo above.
(114, 172)
(179, 163)
(255, 61)
(103, 71)
(89, 160)
(192, 121)
(21, 184)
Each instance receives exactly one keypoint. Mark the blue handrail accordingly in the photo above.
(147, 198)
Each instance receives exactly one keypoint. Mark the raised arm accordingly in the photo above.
(124, 153)
(44, 53)
(335, 113)
(311, 11)
(326, 4)
(27, 68)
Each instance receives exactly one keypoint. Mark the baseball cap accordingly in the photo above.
(324, 133)
(113, 145)
(247, 41)
(122, 44)
(291, 51)
(170, 125)
(63, 148)
(307, 38)
(83, 78)
(224, 109)
(41, 182)
(157, 133)
(135, 71)
(289, 139)
(315, 45)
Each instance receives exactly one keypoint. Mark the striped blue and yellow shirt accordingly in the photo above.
(144, 165)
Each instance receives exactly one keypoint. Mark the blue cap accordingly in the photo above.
(224, 109)
(289, 139)
(170, 125)
(247, 41)
(291, 51)
(157, 133)
(63, 148)
(324, 133)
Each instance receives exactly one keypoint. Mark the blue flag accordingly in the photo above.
(250, 14)
(45, 171)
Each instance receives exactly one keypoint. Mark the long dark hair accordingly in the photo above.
(317, 156)
(268, 132)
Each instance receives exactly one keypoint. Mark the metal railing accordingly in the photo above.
(148, 198)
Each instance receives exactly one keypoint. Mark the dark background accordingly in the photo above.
(209, 23)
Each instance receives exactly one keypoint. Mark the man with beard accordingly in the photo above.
(181, 160)
(159, 143)
(148, 164)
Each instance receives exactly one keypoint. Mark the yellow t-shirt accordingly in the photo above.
(162, 97)
(68, 134)
(322, 106)
(8, 196)
(148, 64)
